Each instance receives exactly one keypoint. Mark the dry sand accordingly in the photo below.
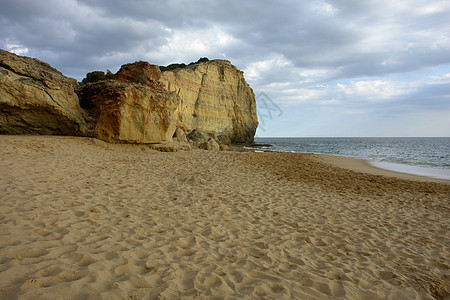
(82, 219)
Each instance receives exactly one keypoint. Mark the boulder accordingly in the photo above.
(179, 135)
(198, 136)
(211, 144)
(171, 147)
(224, 139)
(224, 147)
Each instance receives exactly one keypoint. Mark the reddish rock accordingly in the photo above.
(140, 72)
(130, 112)
(138, 104)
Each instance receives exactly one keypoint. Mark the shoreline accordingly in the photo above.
(358, 148)
(403, 171)
(86, 219)
(361, 165)
(429, 172)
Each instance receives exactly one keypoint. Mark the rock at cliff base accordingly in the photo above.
(224, 147)
(224, 139)
(171, 146)
(211, 144)
(198, 136)
(179, 135)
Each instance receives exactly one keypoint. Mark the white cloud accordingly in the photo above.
(303, 95)
(332, 101)
(432, 8)
(355, 113)
(439, 79)
(17, 49)
(324, 7)
(257, 69)
(183, 43)
(370, 90)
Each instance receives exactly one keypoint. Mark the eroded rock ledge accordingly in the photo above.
(138, 104)
(37, 99)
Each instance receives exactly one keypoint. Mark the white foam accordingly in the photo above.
(415, 170)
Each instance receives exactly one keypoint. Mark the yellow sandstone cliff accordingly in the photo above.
(214, 98)
(138, 104)
(131, 106)
(37, 99)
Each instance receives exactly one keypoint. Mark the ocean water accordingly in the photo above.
(421, 156)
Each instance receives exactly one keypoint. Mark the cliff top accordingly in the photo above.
(32, 68)
(146, 73)
(138, 104)
(193, 65)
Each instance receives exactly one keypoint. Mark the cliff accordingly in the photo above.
(37, 99)
(214, 98)
(132, 106)
(138, 104)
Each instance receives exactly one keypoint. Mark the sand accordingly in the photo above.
(83, 219)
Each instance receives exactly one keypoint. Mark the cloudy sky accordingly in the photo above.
(318, 68)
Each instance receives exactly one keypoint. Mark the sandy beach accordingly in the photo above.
(84, 219)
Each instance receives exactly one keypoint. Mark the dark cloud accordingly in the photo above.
(310, 34)
(284, 46)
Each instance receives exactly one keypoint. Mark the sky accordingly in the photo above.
(318, 68)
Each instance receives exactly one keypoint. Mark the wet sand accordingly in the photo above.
(360, 165)
(83, 219)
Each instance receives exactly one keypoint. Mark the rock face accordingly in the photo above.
(133, 107)
(138, 104)
(140, 72)
(214, 98)
(37, 99)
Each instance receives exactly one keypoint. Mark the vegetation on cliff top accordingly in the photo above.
(94, 77)
(100, 75)
(182, 65)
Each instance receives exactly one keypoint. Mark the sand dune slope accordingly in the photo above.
(83, 219)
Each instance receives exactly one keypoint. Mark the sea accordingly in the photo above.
(425, 156)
